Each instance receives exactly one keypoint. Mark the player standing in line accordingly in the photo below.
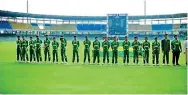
(32, 49)
(176, 50)
(55, 46)
(105, 46)
(165, 45)
(146, 47)
(114, 46)
(87, 44)
(136, 45)
(19, 49)
(96, 47)
(75, 45)
(126, 45)
(38, 43)
(24, 49)
(63, 49)
(46, 49)
(155, 51)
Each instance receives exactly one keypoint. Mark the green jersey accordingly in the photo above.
(176, 45)
(156, 46)
(126, 45)
(46, 43)
(114, 45)
(136, 45)
(63, 43)
(18, 42)
(24, 44)
(87, 44)
(38, 43)
(105, 45)
(75, 44)
(32, 44)
(146, 46)
(96, 45)
(55, 45)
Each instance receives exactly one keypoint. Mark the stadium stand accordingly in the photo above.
(34, 26)
(162, 27)
(5, 25)
(92, 27)
(20, 25)
(140, 27)
(65, 27)
(176, 26)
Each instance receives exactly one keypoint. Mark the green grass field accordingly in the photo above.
(27, 78)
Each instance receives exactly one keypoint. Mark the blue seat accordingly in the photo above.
(5, 25)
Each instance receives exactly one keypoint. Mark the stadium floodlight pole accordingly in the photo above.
(145, 11)
(27, 5)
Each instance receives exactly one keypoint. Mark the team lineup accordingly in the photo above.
(35, 50)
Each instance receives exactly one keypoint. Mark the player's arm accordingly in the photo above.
(169, 45)
(57, 44)
(162, 45)
(78, 43)
(180, 46)
(159, 47)
(89, 43)
(108, 45)
(123, 45)
(172, 45)
(93, 44)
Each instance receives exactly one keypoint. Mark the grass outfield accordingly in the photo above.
(90, 79)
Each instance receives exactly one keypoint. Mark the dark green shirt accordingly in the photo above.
(114, 45)
(126, 45)
(105, 45)
(146, 46)
(87, 44)
(46, 43)
(55, 45)
(24, 44)
(96, 45)
(75, 44)
(38, 43)
(63, 43)
(156, 46)
(136, 45)
(18, 42)
(32, 44)
(176, 45)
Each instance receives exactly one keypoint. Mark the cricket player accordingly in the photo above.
(55, 46)
(96, 47)
(146, 47)
(75, 45)
(114, 46)
(87, 44)
(32, 49)
(38, 43)
(63, 49)
(155, 51)
(126, 45)
(46, 49)
(176, 50)
(105, 46)
(24, 49)
(165, 45)
(19, 49)
(135, 45)
(185, 49)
